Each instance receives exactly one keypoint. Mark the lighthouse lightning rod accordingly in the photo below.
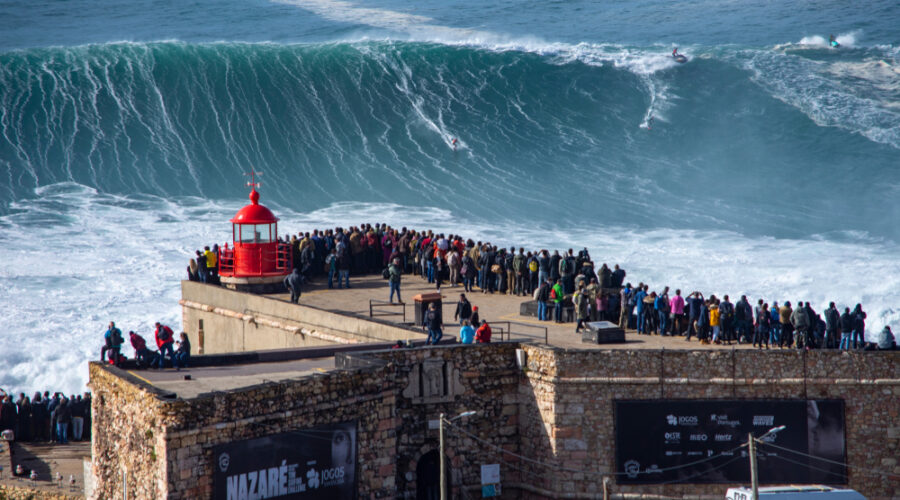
(253, 182)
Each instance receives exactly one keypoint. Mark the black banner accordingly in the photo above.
(698, 441)
(316, 463)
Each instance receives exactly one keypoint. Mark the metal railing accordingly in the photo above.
(375, 304)
(516, 328)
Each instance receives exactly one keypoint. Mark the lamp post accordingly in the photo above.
(443, 458)
(751, 443)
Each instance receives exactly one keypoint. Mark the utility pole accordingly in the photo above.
(444, 462)
(443, 457)
(751, 448)
(754, 478)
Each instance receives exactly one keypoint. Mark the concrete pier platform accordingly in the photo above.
(496, 308)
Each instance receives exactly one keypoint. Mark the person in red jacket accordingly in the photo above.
(483, 334)
(141, 353)
(164, 340)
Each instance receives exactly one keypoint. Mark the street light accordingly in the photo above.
(443, 458)
(751, 442)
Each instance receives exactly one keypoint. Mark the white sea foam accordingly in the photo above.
(72, 259)
(642, 62)
(810, 86)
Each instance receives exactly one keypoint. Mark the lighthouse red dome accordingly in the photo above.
(257, 258)
(254, 213)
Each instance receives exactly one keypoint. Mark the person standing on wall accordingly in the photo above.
(164, 340)
(113, 344)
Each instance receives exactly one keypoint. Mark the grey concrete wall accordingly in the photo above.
(238, 321)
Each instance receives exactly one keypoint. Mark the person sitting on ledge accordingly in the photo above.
(885, 340)
(183, 353)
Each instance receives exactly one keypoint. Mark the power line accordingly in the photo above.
(566, 469)
(707, 471)
(858, 467)
(841, 476)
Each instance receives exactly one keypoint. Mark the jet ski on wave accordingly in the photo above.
(833, 42)
(679, 58)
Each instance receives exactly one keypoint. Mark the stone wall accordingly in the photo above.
(557, 413)
(166, 445)
(567, 409)
(238, 322)
(11, 492)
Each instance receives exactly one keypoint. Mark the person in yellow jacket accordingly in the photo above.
(211, 266)
(714, 320)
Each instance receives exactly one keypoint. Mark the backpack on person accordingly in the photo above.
(117, 337)
(553, 294)
(166, 334)
(563, 266)
(386, 273)
(533, 266)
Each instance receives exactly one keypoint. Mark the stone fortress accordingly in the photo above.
(546, 413)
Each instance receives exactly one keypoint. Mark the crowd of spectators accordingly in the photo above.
(719, 321)
(45, 418)
(566, 286)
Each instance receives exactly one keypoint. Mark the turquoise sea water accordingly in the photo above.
(767, 164)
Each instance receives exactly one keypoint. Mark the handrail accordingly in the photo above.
(374, 312)
(508, 331)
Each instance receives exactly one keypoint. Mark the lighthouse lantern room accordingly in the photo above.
(256, 261)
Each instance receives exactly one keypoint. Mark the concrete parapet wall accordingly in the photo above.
(237, 321)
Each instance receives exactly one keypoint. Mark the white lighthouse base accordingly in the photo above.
(254, 284)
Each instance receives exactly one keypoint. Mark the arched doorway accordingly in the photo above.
(428, 477)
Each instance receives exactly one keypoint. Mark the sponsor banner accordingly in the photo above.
(697, 441)
(308, 464)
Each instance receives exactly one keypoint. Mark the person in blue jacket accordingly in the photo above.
(466, 333)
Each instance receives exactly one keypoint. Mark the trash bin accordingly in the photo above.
(421, 302)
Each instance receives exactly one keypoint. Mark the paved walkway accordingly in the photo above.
(495, 308)
(223, 378)
(47, 460)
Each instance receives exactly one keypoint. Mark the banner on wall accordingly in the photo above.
(308, 464)
(699, 441)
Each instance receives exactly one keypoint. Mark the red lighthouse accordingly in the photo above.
(256, 261)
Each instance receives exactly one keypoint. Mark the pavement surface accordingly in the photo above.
(496, 308)
(501, 311)
(223, 378)
(48, 459)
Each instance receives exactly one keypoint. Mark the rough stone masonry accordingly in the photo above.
(557, 411)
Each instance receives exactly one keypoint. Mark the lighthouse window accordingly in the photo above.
(256, 233)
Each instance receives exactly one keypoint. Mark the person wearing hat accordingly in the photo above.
(473, 320)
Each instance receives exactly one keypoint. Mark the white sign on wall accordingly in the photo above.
(490, 474)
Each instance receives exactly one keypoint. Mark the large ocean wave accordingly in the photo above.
(757, 170)
(769, 141)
